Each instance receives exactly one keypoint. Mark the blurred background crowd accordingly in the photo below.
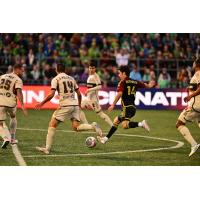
(165, 58)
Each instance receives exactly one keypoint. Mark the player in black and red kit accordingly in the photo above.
(126, 90)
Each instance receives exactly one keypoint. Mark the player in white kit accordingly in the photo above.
(10, 88)
(69, 107)
(92, 99)
(192, 112)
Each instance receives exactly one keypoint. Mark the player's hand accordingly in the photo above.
(86, 92)
(110, 108)
(38, 106)
(186, 99)
(152, 84)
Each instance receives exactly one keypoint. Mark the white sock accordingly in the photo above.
(187, 135)
(13, 127)
(84, 127)
(49, 138)
(83, 117)
(105, 118)
(140, 124)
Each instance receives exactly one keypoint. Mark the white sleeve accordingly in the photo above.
(18, 84)
(54, 84)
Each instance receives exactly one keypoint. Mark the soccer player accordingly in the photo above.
(10, 88)
(192, 112)
(69, 107)
(126, 90)
(92, 100)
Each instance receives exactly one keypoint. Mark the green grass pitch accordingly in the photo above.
(125, 148)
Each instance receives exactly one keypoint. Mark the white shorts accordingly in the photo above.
(189, 115)
(69, 112)
(90, 104)
(4, 111)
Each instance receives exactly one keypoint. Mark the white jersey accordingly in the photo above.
(194, 83)
(8, 85)
(93, 81)
(66, 86)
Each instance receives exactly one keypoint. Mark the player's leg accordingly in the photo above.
(13, 124)
(58, 116)
(4, 132)
(129, 112)
(83, 117)
(112, 130)
(187, 116)
(75, 117)
(101, 114)
(50, 136)
(85, 104)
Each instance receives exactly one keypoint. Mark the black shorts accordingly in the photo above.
(127, 113)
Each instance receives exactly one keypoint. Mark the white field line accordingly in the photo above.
(18, 155)
(179, 144)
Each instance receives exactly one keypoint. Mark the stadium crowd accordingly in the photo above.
(164, 58)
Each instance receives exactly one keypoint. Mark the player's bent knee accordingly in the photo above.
(54, 123)
(116, 121)
(124, 125)
(179, 123)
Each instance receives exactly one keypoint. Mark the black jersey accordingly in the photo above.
(128, 87)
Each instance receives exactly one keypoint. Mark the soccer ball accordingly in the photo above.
(90, 142)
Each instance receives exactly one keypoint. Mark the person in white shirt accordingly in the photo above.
(69, 107)
(192, 112)
(92, 99)
(122, 57)
(10, 88)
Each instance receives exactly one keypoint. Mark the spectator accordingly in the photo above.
(40, 56)
(135, 74)
(49, 73)
(164, 79)
(35, 74)
(182, 78)
(146, 75)
(31, 57)
(143, 49)
(10, 69)
(93, 51)
(122, 57)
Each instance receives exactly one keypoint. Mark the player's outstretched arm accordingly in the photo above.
(151, 84)
(79, 97)
(48, 98)
(197, 92)
(93, 89)
(20, 97)
(117, 97)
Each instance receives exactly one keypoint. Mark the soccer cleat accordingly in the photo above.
(102, 140)
(5, 144)
(43, 149)
(14, 141)
(97, 129)
(194, 149)
(145, 125)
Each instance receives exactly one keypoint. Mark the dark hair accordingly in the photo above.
(92, 64)
(60, 67)
(125, 69)
(17, 66)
